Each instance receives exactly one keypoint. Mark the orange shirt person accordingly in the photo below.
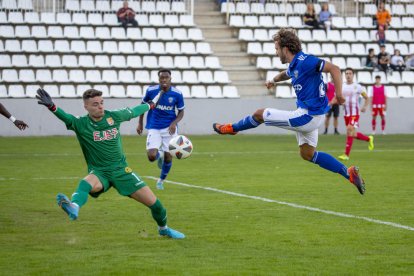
(383, 16)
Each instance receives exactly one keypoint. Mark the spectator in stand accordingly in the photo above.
(378, 101)
(325, 17)
(126, 16)
(309, 18)
(397, 61)
(372, 60)
(334, 108)
(380, 35)
(383, 16)
(384, 59)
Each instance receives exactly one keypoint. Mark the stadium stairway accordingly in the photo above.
(225, 45)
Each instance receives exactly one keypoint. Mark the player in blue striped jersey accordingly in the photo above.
(162, 122)
(305, 71)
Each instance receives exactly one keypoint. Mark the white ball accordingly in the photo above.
(180, 147)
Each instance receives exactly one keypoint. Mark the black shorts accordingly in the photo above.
(335, 110)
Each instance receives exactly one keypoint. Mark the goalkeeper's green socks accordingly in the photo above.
(81, 195)
(159, 213)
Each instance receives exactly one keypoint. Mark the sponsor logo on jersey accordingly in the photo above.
(128, 170)
(297, 87)
(301, 57)
(110, 121)
(164, 107)
(105, 135)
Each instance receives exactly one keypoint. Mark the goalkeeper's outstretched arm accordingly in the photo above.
(44, 99)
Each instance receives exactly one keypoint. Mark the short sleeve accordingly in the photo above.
(314, 64)
(180, 102)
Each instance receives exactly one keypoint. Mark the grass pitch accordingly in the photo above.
(226, 234)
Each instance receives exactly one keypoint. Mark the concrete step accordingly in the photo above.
(225, 47)
(234, 60)
(243, 75)
(216, 32)
(208, 20)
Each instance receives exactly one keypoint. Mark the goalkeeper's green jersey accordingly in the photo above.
(101, 141)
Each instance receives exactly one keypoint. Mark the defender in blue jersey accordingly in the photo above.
(162, 122)
(312, 104)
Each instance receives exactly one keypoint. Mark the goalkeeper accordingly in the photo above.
(100, 140)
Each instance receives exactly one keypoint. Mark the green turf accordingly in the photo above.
(225, 234)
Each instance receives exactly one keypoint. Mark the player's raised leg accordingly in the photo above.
(159, 213)
(251, 121)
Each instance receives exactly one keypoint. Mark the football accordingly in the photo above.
(180, 147)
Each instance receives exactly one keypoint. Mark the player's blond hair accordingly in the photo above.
(286, 37)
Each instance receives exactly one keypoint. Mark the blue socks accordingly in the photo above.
(246, 123)
(328, 162)
(166, 167)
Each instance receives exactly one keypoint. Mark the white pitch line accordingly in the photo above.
(294, 205)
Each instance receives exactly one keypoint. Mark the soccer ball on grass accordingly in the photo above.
(180, 147)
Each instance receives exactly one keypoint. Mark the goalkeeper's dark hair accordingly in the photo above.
(91, 93)
(286, 37)
(164, 71)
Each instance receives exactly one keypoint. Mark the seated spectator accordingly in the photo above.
(325, 17)
(397, 61)
(384, 59)
(372, 60)
(380, 35)
(126, 16)
(383, 16)
(309, 18)
(409, 62)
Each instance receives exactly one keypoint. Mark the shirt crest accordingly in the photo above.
(110, 121)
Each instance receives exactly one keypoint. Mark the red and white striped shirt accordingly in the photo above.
(351, 93)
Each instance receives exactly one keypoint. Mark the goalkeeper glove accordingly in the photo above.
(45, 99)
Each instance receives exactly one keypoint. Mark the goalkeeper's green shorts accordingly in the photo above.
(123, 179)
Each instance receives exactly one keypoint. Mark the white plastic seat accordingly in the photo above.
(63, 18)
(31, 90)
(348, 36)
(236, 21)
(362, 35)
(198, 91)
(246, 35)
(85, 61)
(180, 34)
(366, 22)
(43, 75)
(81, 88)
(118, 33)
(251, 21)
(133, 91)
(392, 35)
(165, 34)
(407, 22)
(93, 46)
(95, 19)
(71, 32)
(405, 35)
(15, 17)
(299, 8)
(7, 31)
(102, 6)
(9, 5)
(319, 35)
(154, 76)
(181, 62)
(214, 91)
(188, 48)
(117, 91)
(102, 61)
(110, 47)
(22, 31)
(314, 49)
(227, 7)
(261, 35)
(329, 49)
(77, 76)
(142, 76)
(230, 92)
(79, 18)
(51, 61)
(60, 75)
(352, 22)
(305, 35)
(338, 22)
(126, 47)
(171, 20)
(271, 8)
(149, 34)
(190, 77)
(142, 20)
(72, 5)
(394, 78)
(150, 62)
(29, 46)
(110, 76)
(221, 77)
(205, 76)
(102, 33)
(254, 48)
(103, 88)
(269, 48)
(212, 62)
(186, 20)
(156, 20)
(176, 76)
(126, 76)
(27, 75)
(134, 61)
(344, 49)
(45, 46)
(19, 61)
(67, 91)
(283, 91)
(280, 21)
(265, 21)
(163, 6)
(242, 8)
(38, 31)
(10, 75)
(264, 62)
(141, 47)
(70, 61)
(3, 17)
(353, 62)
(134, 33)
(358, 49)
(334, 35)
(5, 61)
(364, 76)
(178, 7)
(166, 61)
(195, 34)
(109, 19)
(93, 76)
(203, 48)
(402, 47)
(78, 46)
(172, 48)
(87, 32)
(148, 6)
(88, 5)
(408, 77)
(157, 47)
(55, 31)
(48, 17)
(405, 91)
(118, 61)
(16, 91)
(256, 8)
(340, 62)
(185, 90)
(295, 21)
(31, 17)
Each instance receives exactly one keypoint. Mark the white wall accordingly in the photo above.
(200, 114)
